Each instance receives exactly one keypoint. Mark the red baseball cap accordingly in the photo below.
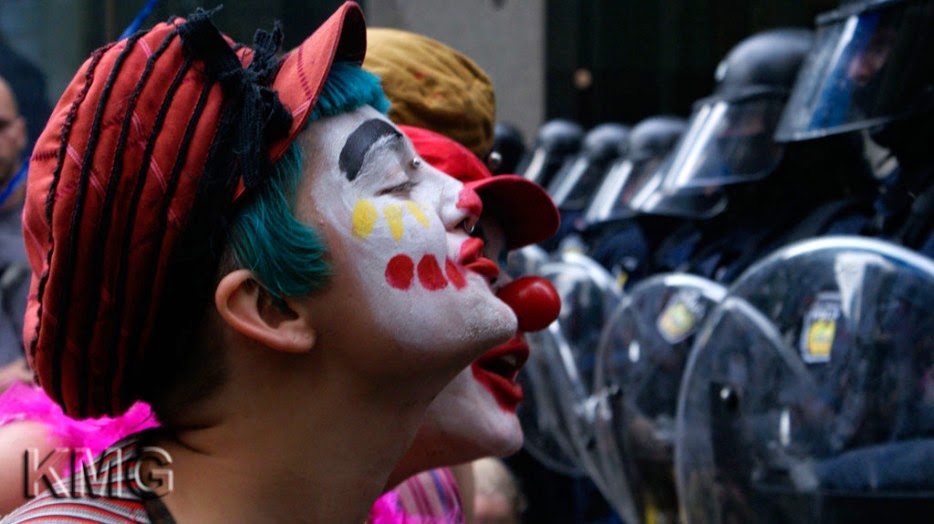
(129, 185)
(524, 209)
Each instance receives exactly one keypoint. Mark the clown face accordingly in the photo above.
(406, 279)
(475, 415)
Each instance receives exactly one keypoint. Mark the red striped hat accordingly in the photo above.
(130, 187)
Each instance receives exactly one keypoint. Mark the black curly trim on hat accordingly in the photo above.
(254, 116)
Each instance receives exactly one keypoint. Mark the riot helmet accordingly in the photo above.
(729, 137)
(556, 142)
(872, 64)
(649, 144)
(508, 149)
(575, 184)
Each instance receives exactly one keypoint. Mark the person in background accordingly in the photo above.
(556, 145)
(29, 87)
(575, 184)
(508, 149)
(14, 269)
(619, 235)
(24, 108)
(498, 498)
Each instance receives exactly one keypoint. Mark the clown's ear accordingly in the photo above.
(249, 308)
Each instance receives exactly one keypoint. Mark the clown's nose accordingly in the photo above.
(534, 300)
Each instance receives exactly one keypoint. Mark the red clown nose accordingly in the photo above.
(534, 300)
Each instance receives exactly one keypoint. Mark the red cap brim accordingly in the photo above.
(304, 70)
(525, 210)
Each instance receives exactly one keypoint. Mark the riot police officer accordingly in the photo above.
(575, 184)
(508, 149)
(873, 71)
(618, 235)
(747, 193)
(557, 141)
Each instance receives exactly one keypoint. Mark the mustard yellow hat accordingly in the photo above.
(433, 86)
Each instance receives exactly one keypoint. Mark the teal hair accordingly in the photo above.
(288, 256)
(347, 88)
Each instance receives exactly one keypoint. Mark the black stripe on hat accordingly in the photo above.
(56, 391)
(97, 252)
(133, 343)
(249, 113)
(66, 291)
(193, 263)
(171, 185)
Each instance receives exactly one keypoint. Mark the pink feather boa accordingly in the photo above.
(21, 402)
(388, 510)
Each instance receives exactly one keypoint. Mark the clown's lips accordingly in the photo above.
(471, 258)
(498, 369)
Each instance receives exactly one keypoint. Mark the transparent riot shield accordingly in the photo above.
(589, 294)
(640, 360)
(543, 422)
(809, 394)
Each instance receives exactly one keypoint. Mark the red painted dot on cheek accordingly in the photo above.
(400, 271)
(454, 274)
(429, 273)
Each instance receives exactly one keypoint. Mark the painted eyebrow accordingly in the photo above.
(359, 143)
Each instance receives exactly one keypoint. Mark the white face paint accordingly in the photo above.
(465, 422)
(475, 415)
(396, 230)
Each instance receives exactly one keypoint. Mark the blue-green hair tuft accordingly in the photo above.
(348, 88)
(285, 254)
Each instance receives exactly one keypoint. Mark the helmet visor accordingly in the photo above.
(574, 186)
(727, 142)
(613, 200)
(867, 68)
(653, 197)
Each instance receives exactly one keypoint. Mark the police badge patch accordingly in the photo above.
(819, 328)
(680, 317)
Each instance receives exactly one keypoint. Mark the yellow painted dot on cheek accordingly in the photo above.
(394, 219)
(417, 213)
(364, 218)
